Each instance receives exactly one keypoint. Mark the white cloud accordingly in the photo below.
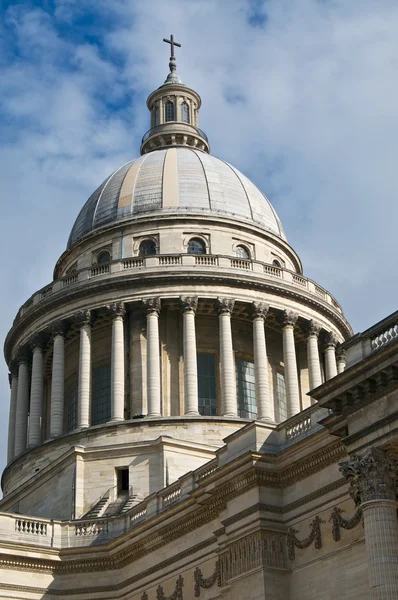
(304, 105)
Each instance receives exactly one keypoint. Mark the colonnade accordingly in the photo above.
(21, 405)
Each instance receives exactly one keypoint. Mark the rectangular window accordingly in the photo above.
(101, 396)
(207, 384)
(71, 404)
(281, 396)
(246, 389)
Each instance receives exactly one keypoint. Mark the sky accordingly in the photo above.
(300, 95)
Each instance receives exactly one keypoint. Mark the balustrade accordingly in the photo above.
(30, 527)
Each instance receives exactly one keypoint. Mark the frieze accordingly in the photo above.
(314, 536)
(339, 522)
(176, 595)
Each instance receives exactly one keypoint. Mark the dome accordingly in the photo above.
(175, 180)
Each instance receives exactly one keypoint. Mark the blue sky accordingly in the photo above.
(300, 95)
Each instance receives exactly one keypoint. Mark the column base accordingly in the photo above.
(234, 415)
(192, 413)
(116, 420)
(153, 415)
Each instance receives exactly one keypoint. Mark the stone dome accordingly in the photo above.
(175, 180)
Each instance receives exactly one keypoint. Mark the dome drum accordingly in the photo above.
(170, 134)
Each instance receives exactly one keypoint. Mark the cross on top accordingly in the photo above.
(172, 44)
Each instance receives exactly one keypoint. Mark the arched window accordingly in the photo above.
(184, 112)
(196, 246)
(242, 252)
(170, 111)
(103, 257)
(156, 116)
(277, 263)
(147, 248)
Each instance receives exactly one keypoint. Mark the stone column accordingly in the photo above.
(13, 378)
(84, 380)
(265, 408)
(36, 391)
(229, 407)
(58, 380)
(330, 356)
(314, 364)
(21, 418)
(188, 309)
(372, 478)
(153, 356)
(290, 362)
(340, 359)
(117, 311)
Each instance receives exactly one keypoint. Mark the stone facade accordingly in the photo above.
(190, 416)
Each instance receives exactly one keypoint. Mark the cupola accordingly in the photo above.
(174, 109)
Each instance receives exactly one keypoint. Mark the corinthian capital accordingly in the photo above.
(83, 317)
(116, 309)
(188, 303)
(38, 340)
(340, 353)
(331, 339)
(289, 318)
(59, 328)
(372, 476)
(152, 305)
(259, 310)
(313, 328)
(224, 306)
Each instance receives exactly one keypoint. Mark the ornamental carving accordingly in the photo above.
(338, 522)
(83, 317)
(144, 596)
(289, 318)
(176, 595)
(38, 340)
(259, 310)
(314, 536)
(205, 583)
(188, 303)
(116, 309)
(23, 355)
(331, 339)
(152, 305)
(224, 306)
(13, 369)
(59, 328)
(372, 476)
(313, 328)
(340, 354)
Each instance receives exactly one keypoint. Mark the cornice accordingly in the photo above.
(92, 287)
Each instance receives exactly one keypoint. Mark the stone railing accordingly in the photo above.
(183, 261)
(376, 337)
(303, 424)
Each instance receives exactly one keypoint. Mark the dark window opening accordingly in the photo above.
(103, 257)
(196, 246)
(170, 111)
(147, 248)
(277, 263)
(184, 112)
(122, 480)
(207, 384)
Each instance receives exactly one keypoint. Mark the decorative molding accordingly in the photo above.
(83, 318)
(314, 536)
(224, 306)
(260, 310)
(261, 548)
(289, 318)
(144, 596)
(176, 595)
(188, 303)
(331, 339)
(116, 309)
(313, 328)
(339, 522)
(371, 476)
(205, 583)
(38, 340)
(340, 354)
(152, 305)
(59, 327)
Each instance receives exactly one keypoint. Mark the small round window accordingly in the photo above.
(196, 246)
(103, 257)
(242, 252)
(147, 248)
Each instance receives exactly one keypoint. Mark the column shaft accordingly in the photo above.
(381, 539)
(36, 397)
(290, 362)
(117, 369)
(153, 361)
(190, 363)
(84, 382)
(265, 409)
(330, 362)
(314, 365)
(12, 417)
(57, 386)
(21, 419)
(227, 364)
